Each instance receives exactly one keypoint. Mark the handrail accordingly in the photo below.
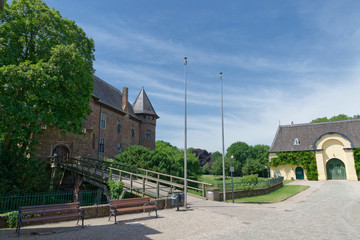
(105, 167)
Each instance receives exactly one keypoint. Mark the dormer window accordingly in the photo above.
(296, 141)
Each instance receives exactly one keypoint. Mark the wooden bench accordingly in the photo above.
(130, 205)
(50, 212)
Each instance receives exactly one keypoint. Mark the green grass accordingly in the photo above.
(288, 181)
(192, 191)
(279, 195)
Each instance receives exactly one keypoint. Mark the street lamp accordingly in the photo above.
(223, 148)
(185, 151)
(232, 183)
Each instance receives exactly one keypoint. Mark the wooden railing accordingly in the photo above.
(101, 171)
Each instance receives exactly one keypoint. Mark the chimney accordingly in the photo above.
(125, 98)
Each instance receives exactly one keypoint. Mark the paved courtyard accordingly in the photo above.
(327, 210)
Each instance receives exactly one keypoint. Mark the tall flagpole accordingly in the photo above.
(223, 148)
(185, 151)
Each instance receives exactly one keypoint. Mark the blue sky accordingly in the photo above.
(281, 61)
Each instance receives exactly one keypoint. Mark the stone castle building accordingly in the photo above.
(332, 143)
(113, 125)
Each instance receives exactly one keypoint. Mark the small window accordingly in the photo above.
(119, 126)
(144, 117)
(101, 145)
(132, 130)
(118, 148)
(103, 120)
(296, 141)
(148, 134)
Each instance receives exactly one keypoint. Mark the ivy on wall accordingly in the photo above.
(305, 159)
(357, 161)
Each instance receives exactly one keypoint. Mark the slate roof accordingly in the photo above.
(109, 95)
(142, 104)
(309, 133)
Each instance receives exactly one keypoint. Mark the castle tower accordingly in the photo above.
(145, 111)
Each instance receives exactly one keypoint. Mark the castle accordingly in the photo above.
(113, 125)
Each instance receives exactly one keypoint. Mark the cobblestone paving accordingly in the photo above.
(330, 212)
(327, 210)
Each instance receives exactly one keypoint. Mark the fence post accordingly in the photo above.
(143, 190)
(158, 189)
(131, 183)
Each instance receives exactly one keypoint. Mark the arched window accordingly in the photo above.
(296, 141)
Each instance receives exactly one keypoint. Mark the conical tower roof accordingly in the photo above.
(142, 104)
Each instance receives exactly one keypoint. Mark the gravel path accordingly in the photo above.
(327, 210)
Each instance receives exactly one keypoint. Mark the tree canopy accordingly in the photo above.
(165, 159)
(246, 159)
(46, 77)
(335, 118)
(46, 73)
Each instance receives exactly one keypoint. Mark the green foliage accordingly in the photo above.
(252, 166)
(12, 219)
(305, 159)
(46, 77)
(335, 118)
(357, 161)
(249, 178)
(166, 159)
(20, 174)
(46, 72)
(241, 152)
(115, 188)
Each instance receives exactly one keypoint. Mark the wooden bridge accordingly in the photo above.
(137, 180)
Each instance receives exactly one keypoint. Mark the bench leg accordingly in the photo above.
(18, 228)
(82, 218)
(110, 215)
(115, 216)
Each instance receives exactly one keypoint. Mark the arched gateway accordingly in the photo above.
(335, 169)
(61, 151)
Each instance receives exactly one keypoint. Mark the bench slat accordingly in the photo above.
(134, 208)
(73, 204)
(45, 211)
(51, 217)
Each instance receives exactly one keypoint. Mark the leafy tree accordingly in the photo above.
(166, 159)
(335, 118)
(252, 166)
(216, 167)
(46, 76)
(241, 152)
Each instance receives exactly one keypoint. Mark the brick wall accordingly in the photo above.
(87, 145)
(147, 123)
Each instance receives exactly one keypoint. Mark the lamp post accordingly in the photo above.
(232, 183)
(185, 151)
(223, 148)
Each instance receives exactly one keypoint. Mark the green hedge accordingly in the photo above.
(357, 161)
(305, 159)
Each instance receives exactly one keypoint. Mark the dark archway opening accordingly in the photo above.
(61, 151)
